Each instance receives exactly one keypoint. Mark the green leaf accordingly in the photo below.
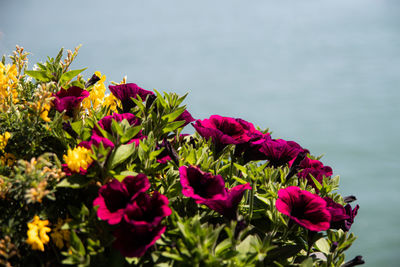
(323, 245)
(74, 182)
(122, 153)
(116, 128)
(172, 116)
(317, 184)
(69, 75)
(39, 75)
(77, 243)
(130, 133)
(307, 263)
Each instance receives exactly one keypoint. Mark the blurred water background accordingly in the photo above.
(322, 73)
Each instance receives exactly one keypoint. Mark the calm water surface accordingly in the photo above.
(323, 73)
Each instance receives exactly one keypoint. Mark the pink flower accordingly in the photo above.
(224, 130)
(279, 152)
(210, 190)
(125, 92)
(315, 168)
(69, 100)
(250, 150)
(146, 211)
(114, 197)
(185, 116)
(342, 217)
(303, 207)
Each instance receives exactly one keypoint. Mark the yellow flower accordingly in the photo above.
(97, 92)
(111, 101)
(59, 236)
(44, 111)
(8, 83)
(37, 233)
(3, 140)
(78, 158)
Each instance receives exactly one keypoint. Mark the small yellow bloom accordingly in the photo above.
(44, 112)
(4, 140)
(78, 158)
(97, 92)
(8, 84)
(37, 233)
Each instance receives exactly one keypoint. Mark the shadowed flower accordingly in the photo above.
(224, 130)
(315, 168)
(37, 233)
(114, 196)
(303, 207)
(125, 92)
(250, 150)
(210, 190)
(342, 217)
(146, 211)
(134, 241)
(69, 100)
(279, 152)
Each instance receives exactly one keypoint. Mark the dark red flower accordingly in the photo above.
(125, 92)
(146, 211)
(96, 140)
(342, 217)
(224, 130)
(69, 100)
(185, 116)
(210, 190)
(279, 152)
(303, 207)
(135, 241)
(315, 168)
(114, 196)
(250, 150)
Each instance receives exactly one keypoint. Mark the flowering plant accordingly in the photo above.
(91, 179)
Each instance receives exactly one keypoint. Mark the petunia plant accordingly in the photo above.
(95, 179)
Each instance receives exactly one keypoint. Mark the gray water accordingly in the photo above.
(322, 73)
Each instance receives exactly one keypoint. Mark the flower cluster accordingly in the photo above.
(119, 181)
(210, 190)
(138, 214)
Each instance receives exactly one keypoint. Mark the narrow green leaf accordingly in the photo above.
(77, 243)
(172, 126)
(70, 75)
(175, 114)
(130, 133)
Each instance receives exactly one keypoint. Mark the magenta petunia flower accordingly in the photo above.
(250, 150)
(224, 130)
(315, 168)
(146, 211)
(185, 116)
(69, 100)
(210, 190)
(135, 241)
(342, 217)
(125, 92)
(279, 152)
(114, 197)
(303, 207)
(96, 140)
